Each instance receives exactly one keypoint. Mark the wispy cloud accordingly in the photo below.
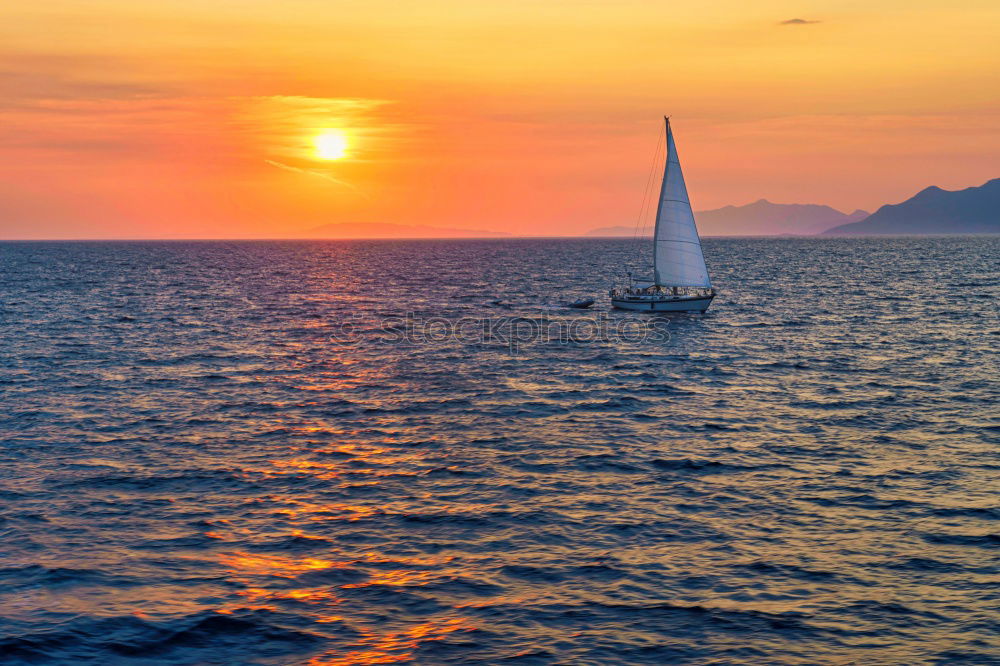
(318, 174)
(30, 80)
(799, 21)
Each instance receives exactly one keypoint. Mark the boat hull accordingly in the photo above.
(696, 304)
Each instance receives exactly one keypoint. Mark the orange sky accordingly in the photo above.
(196, 118)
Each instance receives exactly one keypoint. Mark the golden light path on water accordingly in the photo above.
(375, 644)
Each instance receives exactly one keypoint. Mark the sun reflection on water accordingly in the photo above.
(325, 582)
(274, 565)
(393, 647)
(373, 645)
(323, 511)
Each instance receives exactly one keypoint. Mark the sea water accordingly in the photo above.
(407, 451)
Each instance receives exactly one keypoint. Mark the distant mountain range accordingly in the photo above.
(974, 210)
(389, 230)
(760, 218)
(763, 218)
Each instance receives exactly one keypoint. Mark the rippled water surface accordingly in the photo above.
(226, 453)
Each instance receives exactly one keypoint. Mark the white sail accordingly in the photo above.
(677, 257)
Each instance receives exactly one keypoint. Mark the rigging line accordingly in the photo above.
(640, 225)
(649, 218)
(654, 192)
(639, 222)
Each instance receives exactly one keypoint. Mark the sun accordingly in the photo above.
(331, 144)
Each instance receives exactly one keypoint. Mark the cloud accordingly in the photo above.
(798, 21)
(30, 80)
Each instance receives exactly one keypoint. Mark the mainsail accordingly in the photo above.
(677, 257)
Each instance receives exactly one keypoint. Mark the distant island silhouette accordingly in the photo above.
(764, 218)
(760, 218)
(974, 210)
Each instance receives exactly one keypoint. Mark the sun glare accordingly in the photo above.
(331, 144)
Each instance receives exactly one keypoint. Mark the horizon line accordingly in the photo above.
(467, 238)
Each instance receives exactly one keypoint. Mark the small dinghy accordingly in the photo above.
(680, 281)
(581, 304)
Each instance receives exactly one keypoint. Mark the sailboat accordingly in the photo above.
(680, 281)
